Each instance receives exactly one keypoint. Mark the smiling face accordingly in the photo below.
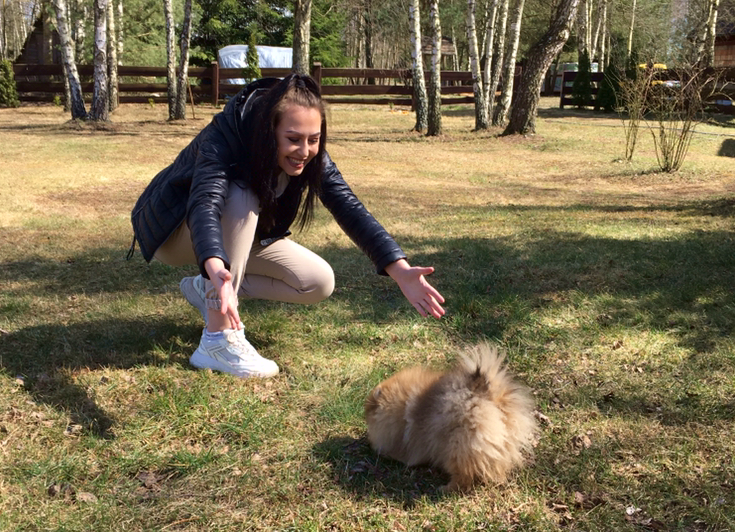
(297, 135)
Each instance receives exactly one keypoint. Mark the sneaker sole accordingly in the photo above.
(203, 361)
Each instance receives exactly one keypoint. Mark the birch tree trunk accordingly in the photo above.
(79, 32)
(491, 14)
(301, 36)
(417, 68)
(709, 41)
(630, 33)
(170, 58)
(435, 82)
(582, 24)
(498, 55)
(540, 57)
(509, 66)
(100, 104)
(114, 100)
(120, 35)
(601, 37)
(481, 121)
(78, 111)
(183, 77)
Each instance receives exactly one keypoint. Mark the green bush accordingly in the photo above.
(8, 91)
(582, 86)
(608, 95)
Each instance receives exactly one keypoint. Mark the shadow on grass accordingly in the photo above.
(495, 287)
(360, 471)
(44, 355)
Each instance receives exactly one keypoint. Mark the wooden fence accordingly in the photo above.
(722, 102)
(213, 84)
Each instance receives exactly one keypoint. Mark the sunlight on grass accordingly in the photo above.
(608, 285)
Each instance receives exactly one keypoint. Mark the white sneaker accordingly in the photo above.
(232, 353)
(193, 290)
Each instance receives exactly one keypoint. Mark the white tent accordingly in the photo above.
(235, 56)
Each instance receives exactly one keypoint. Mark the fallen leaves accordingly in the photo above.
(70, 494)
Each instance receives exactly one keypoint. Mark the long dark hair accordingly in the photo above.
(295, 89)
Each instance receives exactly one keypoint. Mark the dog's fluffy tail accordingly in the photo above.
(510, 404)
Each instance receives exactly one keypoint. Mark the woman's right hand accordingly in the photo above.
(221, 278)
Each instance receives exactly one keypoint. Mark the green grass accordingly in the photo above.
(609, 285)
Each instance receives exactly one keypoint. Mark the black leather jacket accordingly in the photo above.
(194, 187)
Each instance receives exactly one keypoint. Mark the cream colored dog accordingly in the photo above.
(474, 421)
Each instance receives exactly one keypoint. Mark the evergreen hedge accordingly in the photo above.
(8, 90)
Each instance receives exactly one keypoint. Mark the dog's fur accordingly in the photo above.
(475, 421)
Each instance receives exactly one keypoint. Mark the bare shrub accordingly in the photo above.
(632, 98)
(676, 107)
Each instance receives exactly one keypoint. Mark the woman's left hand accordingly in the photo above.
(411, 279)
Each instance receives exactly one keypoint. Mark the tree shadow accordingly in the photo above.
(45, 355)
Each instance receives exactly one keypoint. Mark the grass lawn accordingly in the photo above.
(610, 286)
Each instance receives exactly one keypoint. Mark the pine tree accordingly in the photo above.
(8, 91)
(582, 86)
(252, 69)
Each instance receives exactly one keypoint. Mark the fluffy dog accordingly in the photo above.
(475, 422)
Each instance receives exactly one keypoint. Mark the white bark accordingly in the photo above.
(170, 58)
(632, 25)
(100, 104)
(498, 55)
(120, 36)
(114, 100)
(509, 65)
(79, 32)
(78, 110)
(481, 120)
(435, 83)
(183, 77)
(417, 67)
(709, 41)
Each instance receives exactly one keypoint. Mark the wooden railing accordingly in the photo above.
(338, 85)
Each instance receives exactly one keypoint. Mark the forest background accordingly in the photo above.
(362, 33)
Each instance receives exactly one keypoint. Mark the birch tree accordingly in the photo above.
(435, 83)
(100, 104)
(497, 55)
(491, 15)
(417, 68)
(78, 110)
(509, 65)
(301, 36)
(481, 121)
(708, 57)
(120, 35)
(540, 57)
(182, 81)
(78, 27)
(600, 38)
(114, 100)
(630, 31)
(170, 58)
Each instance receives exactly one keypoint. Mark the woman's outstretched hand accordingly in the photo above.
(411, 279)
(222, 280)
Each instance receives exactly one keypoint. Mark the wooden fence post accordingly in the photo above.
(316, 73)
(215, 83)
